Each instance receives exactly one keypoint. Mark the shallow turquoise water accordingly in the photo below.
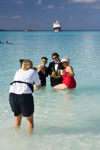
(63, 119)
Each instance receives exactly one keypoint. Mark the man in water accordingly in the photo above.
(54, 67)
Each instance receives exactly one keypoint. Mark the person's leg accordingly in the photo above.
(30, 123)
(60, 87)
(18, 121)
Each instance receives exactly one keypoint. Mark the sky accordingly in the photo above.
(40, 14)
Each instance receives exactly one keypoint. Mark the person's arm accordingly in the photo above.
(37, 86)
(37, 81)
(70, 70)
(38, 68)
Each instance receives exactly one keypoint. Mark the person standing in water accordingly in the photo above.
(67, 75)
(54, 67)
(6, 42)
(42, 70)
(20, 97)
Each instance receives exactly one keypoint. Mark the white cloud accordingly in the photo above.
(82, 1)
(50, 6)
(39, 2)
(16, 17)
(19, 2)
(95, 7)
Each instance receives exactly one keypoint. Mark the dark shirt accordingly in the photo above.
(43, 76)
(51, 68)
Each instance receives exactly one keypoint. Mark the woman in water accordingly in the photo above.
(20, 97)
(42, 70)
(67, 75)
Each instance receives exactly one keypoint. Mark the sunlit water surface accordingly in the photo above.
(64, 120)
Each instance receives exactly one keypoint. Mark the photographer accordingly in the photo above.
(20, 97)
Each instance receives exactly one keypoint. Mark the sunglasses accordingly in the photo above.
(54, 57)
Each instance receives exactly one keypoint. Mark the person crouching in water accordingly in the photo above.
(53, 70)
(20, 97)
(67, 75)
(42, 70)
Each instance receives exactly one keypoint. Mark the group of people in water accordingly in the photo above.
(5, 42)
(21, 89)
(61, 73)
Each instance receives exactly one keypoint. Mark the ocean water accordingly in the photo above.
(64, 120)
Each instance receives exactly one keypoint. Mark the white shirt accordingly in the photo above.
(56, 67)
(29, 76)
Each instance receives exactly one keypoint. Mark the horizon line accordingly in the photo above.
(30, 30)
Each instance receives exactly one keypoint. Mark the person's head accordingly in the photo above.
(44, 60)
(65, 61)
(27, 64)
(0, 41)
(6, 42)
(55, 57)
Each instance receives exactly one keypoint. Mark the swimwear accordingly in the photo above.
(68, 81)
(42, 76)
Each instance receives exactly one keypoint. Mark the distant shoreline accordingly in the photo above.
(48, 30)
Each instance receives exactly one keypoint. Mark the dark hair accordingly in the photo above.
(55, 54)
(21, 61)
(45, 58)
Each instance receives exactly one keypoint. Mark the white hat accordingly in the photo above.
(65, 60)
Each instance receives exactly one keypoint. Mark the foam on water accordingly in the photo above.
(64, 120)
